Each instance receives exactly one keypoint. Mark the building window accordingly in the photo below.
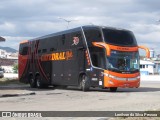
(142, 66)
(154, 66)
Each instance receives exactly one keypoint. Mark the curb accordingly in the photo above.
(15, 95)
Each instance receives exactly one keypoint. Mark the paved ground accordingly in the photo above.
(144, 98)
(23, 98)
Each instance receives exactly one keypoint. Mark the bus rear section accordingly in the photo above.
(23, 61)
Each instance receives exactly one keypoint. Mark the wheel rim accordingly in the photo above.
(83, 81)
(38, 82)
(31, 81)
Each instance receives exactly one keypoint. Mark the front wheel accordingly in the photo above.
(84, 83)
(113, 89)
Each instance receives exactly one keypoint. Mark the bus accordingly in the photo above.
(87, 56)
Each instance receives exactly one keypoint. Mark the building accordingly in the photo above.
(149, 67)
(152, 53)
(3, 54)
(7, 60)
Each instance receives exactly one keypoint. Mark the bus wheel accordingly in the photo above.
(32, 82)
(39, 83)
(84, 84)
(113, 89)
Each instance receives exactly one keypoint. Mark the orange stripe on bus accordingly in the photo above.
(113, 47)
(24, 41)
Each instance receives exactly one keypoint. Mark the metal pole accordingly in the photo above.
(68, 21)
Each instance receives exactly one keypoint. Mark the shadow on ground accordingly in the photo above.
(27, 87)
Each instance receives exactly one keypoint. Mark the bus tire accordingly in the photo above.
(113, 89)
(32, 81)
(84, 83)
(39, 83)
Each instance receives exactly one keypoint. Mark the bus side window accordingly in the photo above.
(39, 51)
(93, 35)
(23, 50)
(44, 50)
(94, 60)
(52, 49)
(98, 57)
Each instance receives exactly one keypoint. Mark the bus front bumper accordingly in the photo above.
(124, 82)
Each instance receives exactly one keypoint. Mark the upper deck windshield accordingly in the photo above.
(119, 37)
(123, 61)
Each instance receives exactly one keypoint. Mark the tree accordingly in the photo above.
(15, 68)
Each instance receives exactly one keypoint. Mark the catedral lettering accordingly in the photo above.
(57, 56)
(87, 56)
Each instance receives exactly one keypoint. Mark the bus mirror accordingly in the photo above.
(103, 45)
(146, 49)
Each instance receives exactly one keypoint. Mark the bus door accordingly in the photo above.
(57, 64)
(57, 72)
(74, 64)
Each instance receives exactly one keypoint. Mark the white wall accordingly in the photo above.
(10, 75)
(8, 69)
(150, 77)
(150, 68)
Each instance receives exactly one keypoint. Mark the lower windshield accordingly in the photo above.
(123, 61)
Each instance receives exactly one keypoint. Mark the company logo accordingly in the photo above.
(75, 41)
(122, 48)
(67, 55)
(6, 114)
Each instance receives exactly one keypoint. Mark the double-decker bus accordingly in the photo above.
(87, 56)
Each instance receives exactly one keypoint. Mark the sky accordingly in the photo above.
(27, 19)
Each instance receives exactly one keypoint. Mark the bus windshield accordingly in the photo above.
(119, 37)
(123, 61)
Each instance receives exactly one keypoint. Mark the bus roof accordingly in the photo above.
(76, 29)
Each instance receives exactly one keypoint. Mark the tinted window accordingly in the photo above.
(97, 54)
(119, 37)
(44, 50)
(93, 35)
(39, 51)
(53, 49)
(98, 57)
(23, 49)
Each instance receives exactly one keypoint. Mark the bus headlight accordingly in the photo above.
(135, 78)
(117, 78)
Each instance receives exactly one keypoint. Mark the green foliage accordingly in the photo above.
(15, 68)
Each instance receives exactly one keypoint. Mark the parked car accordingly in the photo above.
(1, 73)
